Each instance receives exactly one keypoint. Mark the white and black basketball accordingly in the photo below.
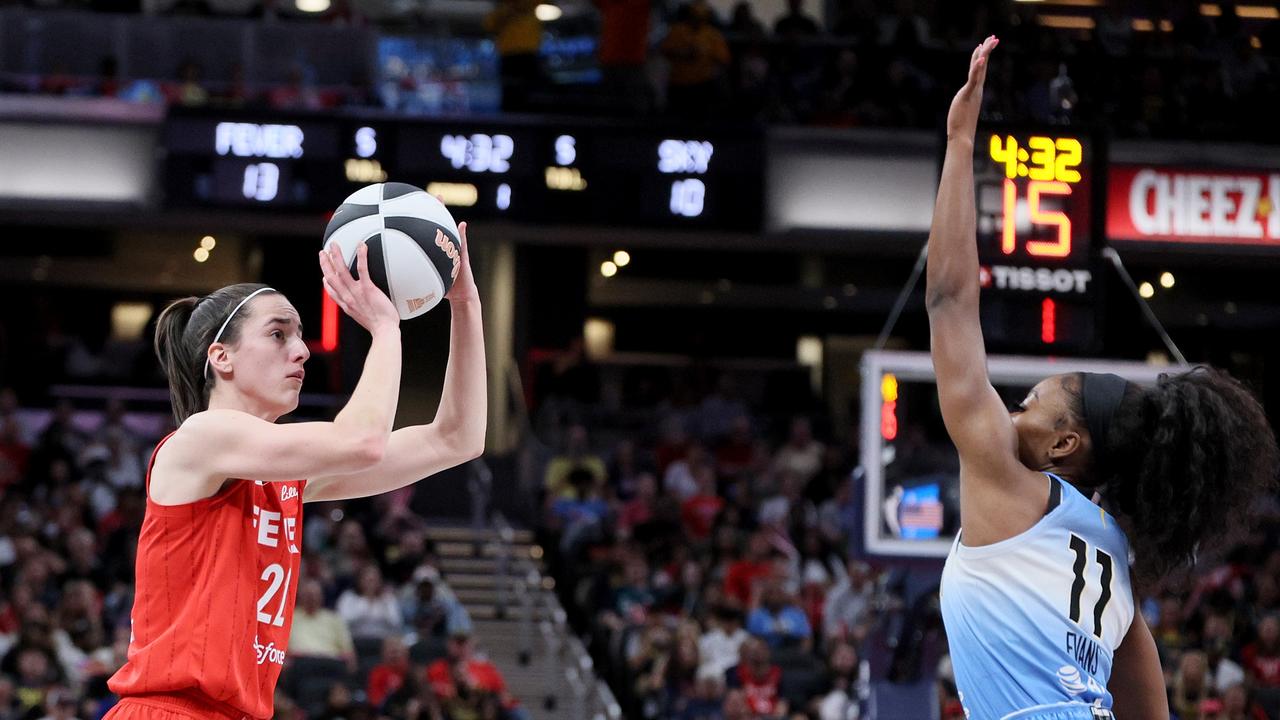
(414, 248)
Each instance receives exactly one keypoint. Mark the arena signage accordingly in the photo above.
(1153, 204)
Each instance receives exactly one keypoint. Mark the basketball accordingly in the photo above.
(414, 249)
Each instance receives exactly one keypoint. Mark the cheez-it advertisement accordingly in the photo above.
(1190, 205)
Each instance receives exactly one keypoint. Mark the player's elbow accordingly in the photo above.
(941, 296)
(369, 450)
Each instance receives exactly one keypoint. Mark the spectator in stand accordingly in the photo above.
(14, 453)
(842, 697)
(743, 575)
(1237, 705)
(341, 706)
(698, 55)
(8, 700)
(779, 620)
(581, 516)
(849, 611)
(1192, 684)
(387, 676)
(624, 48)
(318, 631)
(634, 598)
(680, 481)
(518, 34)
(370, 609)
(625, 468)
(640, 509)
(718, 647)
(577, 455)
(744, 24)
(739, 453)
(190, 90)
(464, 684)
(1217, 642)
(699, 512)
(759, 679)
(1261, 660)
(60, 704)
(796, 23)
(802, 455)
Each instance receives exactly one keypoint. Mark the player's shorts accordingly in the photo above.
(1072, 711)
(171, 707)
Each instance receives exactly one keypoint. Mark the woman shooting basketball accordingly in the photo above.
(218, 553)
(1036, 593)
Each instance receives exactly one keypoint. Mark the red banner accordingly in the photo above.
(1187, 205)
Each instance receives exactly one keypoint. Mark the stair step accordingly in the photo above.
(458, 581)
(490, 612)
(475, 565)
(493, 550)
(456, 533)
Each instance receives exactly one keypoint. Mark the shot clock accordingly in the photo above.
(1034, 201)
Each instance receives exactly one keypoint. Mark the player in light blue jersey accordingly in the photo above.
(1036, 594)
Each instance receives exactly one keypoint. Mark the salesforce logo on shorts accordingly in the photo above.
(268, 652)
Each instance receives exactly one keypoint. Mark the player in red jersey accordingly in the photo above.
(218, 553)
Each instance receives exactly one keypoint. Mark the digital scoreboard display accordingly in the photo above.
(1034, 218)
(555, 173)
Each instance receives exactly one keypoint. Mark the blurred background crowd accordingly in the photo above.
(1144, 69)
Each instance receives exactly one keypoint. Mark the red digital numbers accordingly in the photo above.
(1036, 189)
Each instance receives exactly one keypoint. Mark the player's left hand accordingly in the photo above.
(464, 286)
(962, 120)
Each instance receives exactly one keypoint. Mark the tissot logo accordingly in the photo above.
(1030, 279)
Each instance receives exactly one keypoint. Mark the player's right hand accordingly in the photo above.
(361, 299)
(962, 120)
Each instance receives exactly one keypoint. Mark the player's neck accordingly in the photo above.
(225, 397)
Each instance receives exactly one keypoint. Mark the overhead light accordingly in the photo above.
(312, 6)
(1146, 290)
(1257, 12)
(548, 13)
(1166, 280)
(208, 243)
(621, 258)
(200, 254)
(608, 268)
(1067, 22)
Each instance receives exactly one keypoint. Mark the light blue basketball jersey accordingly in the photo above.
(1033, 621)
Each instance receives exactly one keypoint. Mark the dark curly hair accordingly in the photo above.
(1187, 461)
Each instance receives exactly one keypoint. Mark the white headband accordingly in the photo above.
(226, 322)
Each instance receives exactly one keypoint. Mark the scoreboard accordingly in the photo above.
(1035, 239)
(626, 174)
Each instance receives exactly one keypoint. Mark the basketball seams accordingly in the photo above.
(375, 210)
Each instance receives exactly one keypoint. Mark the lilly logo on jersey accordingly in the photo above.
(268, 653)
(288, 492)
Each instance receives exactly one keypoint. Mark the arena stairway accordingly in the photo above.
(498, 576)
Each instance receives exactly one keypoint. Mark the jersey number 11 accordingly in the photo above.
(1081, 549)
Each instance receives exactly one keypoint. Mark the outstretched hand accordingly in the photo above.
(962, 120)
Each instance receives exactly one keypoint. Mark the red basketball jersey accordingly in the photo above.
(213, 606)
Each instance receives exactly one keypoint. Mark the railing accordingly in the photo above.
(565, 657)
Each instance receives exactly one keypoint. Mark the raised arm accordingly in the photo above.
(216, 445)
(457, 432)
(974, 415)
